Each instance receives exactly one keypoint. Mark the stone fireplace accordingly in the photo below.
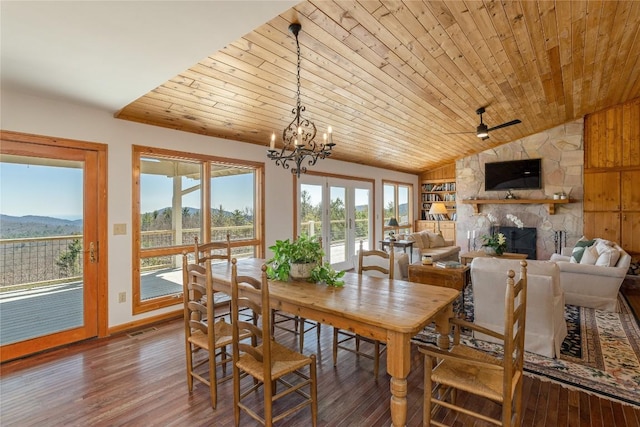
(562, 153)
(520, 240)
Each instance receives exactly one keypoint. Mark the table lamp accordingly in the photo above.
(392, 223)
(438, 209)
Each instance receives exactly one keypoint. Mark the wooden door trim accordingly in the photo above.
(54, 143)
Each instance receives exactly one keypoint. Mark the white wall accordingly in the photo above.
(21, 112)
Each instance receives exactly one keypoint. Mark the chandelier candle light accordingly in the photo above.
(299, 137)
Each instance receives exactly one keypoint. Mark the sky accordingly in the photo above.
(315, 194)
(157, 191)
(40, 190)
(57, 191)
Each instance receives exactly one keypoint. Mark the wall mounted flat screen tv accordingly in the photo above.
(513, 175)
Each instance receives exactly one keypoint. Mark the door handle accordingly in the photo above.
(93, 253)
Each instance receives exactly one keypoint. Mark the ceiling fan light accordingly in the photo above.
(481, 131)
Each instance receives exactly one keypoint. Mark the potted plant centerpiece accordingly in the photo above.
(301, 259)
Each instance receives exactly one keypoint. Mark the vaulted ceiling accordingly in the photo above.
(400, 81)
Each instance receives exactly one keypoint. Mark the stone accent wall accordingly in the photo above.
(562, 152)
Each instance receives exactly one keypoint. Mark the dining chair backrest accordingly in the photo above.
(218, 250)
(251, 293)
(197, 312)
(202, 331)
(515, 314)
(375, 262)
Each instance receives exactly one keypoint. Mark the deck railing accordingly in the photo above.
(44, 260)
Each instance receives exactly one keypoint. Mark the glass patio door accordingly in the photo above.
(339, 211)
(49, 247)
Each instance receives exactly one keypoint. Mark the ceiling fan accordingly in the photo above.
(482, 131)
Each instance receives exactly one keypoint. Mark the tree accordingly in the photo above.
(68, 260)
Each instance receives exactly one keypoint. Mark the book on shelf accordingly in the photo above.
(447, 186)
(448, 264)
(436, 217)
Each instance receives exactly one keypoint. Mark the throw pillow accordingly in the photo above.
(425, 240)
(578, 250)
(590, 255)
(607, 255)
(604, 242)
(417, 239)
(436, 240)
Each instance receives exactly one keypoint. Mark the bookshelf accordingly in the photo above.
(443, 191)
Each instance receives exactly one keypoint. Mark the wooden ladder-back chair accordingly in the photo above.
(370, 262)
(265, 360)
(283, 320)
(473, 371)
(203, 334)
(217, 251)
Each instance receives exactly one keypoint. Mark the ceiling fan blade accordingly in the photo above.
(504, 125)
(456, 133)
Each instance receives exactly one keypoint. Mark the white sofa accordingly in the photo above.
(588, 285)
(546, 327)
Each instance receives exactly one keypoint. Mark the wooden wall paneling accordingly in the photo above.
(607, 145)
(612, 137)
(602, 191)
(630, 192)
(605, 225)
(631, 232)
(631, 133)
(444, 172)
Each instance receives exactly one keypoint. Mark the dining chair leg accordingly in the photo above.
(189, 367)
(335, 346)
(428, 390)
(376, 359)
(314, 390)
(213, 381)
(300, 326)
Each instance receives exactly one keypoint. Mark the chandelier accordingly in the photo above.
(298, 138)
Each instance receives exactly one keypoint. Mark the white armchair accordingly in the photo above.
(546, 326)
(594, 286)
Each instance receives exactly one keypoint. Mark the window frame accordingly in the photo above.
(401, 225)
(138, 253)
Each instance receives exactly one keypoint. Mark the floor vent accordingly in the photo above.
(141, 331)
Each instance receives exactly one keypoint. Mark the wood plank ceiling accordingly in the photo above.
(400, 81)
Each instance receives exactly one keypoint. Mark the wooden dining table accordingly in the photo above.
(388, 310)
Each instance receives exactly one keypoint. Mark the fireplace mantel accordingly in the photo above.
(551, 203)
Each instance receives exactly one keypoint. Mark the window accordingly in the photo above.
(180, 196)
(396, 202)
(339, 210)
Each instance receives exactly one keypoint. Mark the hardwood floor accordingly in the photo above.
(140, 380)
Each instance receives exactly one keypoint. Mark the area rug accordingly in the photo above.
(601, 354)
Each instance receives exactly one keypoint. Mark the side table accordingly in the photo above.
(467, 257)
(455, 278)
(404, 244)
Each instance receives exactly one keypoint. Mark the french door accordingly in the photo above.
(338, 210)
(53, 243)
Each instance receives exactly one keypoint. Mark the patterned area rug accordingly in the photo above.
(601, 354)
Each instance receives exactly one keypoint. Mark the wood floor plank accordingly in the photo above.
(141, 380)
